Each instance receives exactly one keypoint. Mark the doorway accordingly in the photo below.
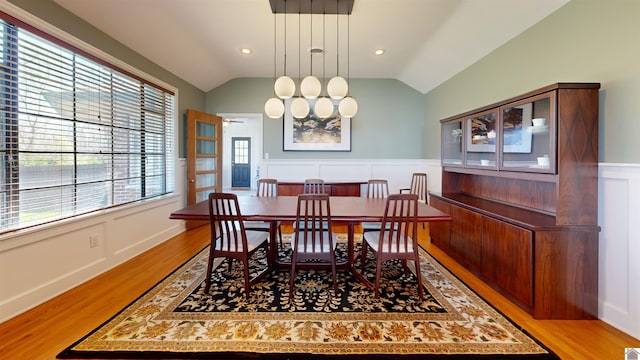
(242, 125)
(240, 162)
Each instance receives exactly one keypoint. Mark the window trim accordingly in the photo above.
(22, 18)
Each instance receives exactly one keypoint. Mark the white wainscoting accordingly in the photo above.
(41, 263)
(397, 171)
(619, 262)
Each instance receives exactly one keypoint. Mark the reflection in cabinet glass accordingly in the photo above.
(527, 130)
(481, 142)
(452, 143)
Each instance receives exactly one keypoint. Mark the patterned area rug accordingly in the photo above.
(176, 319)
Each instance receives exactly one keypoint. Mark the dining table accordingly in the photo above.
(349, 210)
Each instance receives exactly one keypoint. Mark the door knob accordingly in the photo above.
(192, 180)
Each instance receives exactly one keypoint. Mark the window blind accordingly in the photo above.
(76, 134)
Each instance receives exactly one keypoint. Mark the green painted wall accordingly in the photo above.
(584, 41)
(189, 97)
(389, 123)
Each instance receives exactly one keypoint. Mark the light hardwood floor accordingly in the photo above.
(44, 331)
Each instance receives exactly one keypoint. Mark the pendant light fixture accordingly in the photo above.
(337, 87)
(348, 106)
(299, 105)
(284, 85)
(324, 106)
(274, 108)
(311, 87)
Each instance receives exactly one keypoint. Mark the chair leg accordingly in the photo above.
(376, 288)
(207, 282)
(247, 285)
(280, 236)
(335, 281)
(363, 255)
(419, 277)
(292, 279)
(404, 265)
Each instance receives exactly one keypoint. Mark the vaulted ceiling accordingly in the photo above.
(426, 42)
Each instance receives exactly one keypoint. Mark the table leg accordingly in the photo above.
(351, 260)
(272, 257)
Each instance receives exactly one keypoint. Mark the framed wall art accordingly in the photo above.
(314, 134)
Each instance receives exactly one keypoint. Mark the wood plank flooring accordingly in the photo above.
(44, 331)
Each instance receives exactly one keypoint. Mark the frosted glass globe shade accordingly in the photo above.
(299, 108)
(284, 87)
(323, 108)
(348, 107)
(337, 87)
(274, 108)
(310, 87)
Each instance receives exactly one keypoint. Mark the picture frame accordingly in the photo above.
(314, 134)
(515, 121)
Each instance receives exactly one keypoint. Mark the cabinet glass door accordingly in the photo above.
(452, 136)
(481, 139)
(528, 129)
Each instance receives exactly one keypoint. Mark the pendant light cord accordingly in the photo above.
(275, 49)
(324, 52)
(299, 57)
(348, 54)
(285, 37)
(311, 37)
(337, 40)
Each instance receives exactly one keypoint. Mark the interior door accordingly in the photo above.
(204, 157)
(241, 162)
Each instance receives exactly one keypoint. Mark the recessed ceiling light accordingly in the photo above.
(246, 50)
(379, 52)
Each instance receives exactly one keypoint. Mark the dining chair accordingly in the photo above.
(396, 238)
(313, 241)
(230, 239)
(378, 189)
(266, 187)
(313, 186)
(418, 186)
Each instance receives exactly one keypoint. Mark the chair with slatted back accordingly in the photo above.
(313, 186)
(379, 189)
(418, 187)
(396, 238)
(230, 239)
(313, 241)
(266, 187)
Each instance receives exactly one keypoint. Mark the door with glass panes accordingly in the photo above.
(241, 162)
(204, 155)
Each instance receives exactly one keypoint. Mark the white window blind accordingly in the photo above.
(77, 135)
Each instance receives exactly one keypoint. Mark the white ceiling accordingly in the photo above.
(426, 41)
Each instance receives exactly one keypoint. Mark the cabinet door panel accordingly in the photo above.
(466, 232)
(507, 258)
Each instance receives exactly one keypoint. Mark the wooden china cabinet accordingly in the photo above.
(520, 180)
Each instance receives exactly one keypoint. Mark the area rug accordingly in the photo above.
(177, 320)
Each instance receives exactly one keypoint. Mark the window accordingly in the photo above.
(76, 134)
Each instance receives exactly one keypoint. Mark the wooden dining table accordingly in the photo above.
(349, 210)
